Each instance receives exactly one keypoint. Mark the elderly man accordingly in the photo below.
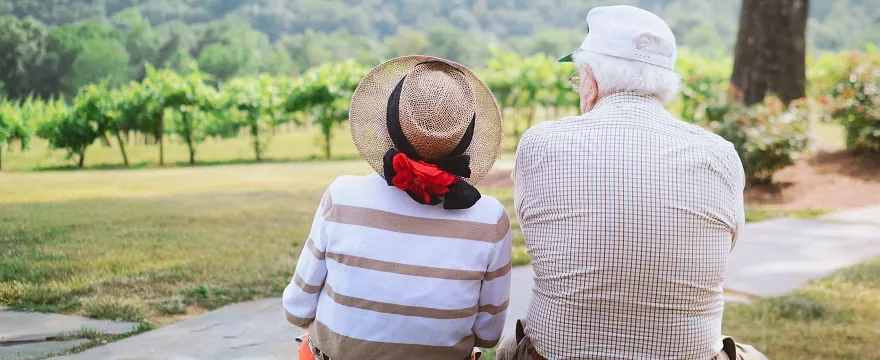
(629, 214)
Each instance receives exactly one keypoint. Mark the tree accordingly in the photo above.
(231, 48)
(76, 130)
(144, 105)
(407, 42)
(7, 111)
(446, 42)
(22, 48)
(141, 41)
(255, 100)
(190, 97)
(770, 53)
(324, 94)
(78, 55)
(98, 60)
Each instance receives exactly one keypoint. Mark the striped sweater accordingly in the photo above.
(383, 277)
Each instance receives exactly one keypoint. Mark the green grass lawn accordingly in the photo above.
(157, 244)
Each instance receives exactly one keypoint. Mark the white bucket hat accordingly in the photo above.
(622, 30)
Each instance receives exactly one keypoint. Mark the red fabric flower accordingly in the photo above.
(421, 178)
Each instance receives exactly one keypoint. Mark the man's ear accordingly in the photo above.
(594, 97)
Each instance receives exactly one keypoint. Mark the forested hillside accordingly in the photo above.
(52, 47)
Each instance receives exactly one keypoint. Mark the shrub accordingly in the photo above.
(768, 137)
(856, 102)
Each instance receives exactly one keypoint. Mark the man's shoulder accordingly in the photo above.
(700, 134)
(548, 127)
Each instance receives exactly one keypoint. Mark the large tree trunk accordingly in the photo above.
(770, 54)
(122, 148)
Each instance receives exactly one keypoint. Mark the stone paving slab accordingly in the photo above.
(23, 326)
(777, 256)
(246, 331)
(39, 349)
(870, 215)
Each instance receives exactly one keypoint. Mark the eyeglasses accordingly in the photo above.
(575, 81)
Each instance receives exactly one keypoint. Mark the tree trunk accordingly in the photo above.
(105, 140)
(328, 136)
(515, 116)
(255, 133)
(122, 148)
(327, 148)
(160, 135)
(770, 54)
(82, 159)
(192, 151)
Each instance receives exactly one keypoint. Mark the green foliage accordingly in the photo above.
(523, 86)
(115, 40)
(323, 94)
(768, 137)
(22, 43)
(703, 80)
(97, 61)
(255, 102)
(187, 104)
(91, 117)
(856, 101)
(191, 98)
(14, 123)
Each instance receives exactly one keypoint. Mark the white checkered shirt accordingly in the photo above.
(629, 216)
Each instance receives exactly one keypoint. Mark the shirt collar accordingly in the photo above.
(626, 99)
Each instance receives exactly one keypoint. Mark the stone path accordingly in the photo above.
(246, 331)
(33, 334)
(777, 256)
(770, 259)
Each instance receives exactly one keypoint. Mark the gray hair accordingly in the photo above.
(614, 74)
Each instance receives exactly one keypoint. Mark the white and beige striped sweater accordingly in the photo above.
(383, 277)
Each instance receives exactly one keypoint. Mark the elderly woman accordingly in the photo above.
(629, 215)
(410, 262)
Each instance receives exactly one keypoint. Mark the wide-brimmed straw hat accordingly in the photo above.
(439, 99)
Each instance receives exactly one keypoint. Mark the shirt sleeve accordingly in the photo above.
(495, 291)
(738, 202)
(528, 156)
(300, 298)
(730, 165)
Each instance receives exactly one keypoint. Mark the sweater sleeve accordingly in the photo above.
(495, 291)
(300, 299)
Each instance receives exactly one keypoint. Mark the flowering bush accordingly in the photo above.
(703, 80)
(855, 102)
(768, 136)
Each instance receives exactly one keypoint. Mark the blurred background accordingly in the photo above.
(163, 158)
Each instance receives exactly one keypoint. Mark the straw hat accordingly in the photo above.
(444, 111)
